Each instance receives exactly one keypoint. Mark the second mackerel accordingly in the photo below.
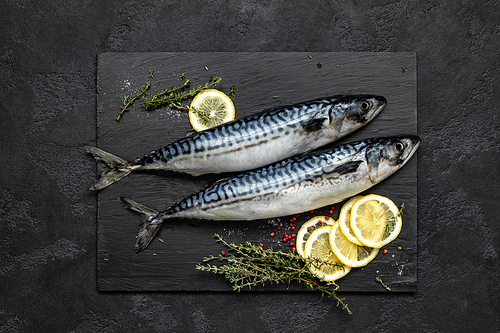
(294, 185)
(254, 141)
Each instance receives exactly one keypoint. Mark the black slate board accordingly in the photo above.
(257, 78)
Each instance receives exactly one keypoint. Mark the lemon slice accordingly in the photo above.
(306, 230)
(210, 108)
(375, 220)
(347, 252)
(318, 247)
(345, 220)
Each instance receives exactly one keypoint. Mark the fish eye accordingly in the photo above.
(399, 147)
(365, 106)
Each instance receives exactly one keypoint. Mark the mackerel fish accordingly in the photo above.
(253, 141)
(294, 185)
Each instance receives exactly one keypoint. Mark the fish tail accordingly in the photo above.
(147, 230)
(118, 167)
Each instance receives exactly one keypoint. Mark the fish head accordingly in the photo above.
(387, 155)
(354, 111)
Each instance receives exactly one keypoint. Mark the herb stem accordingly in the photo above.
(174, 99)
(257, 266)
(127, 101)
(379, 280)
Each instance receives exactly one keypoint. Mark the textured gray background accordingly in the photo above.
(48, 105)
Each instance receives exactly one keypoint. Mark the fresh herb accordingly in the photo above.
(127, 101)
(161, 240)
(206, 68)
(255, 266)
(405, 69)
(275, 96)
(320, 64)
(102, 62)
(393, 220)
(232, 93)
(173, 97)
(379, 280)
(310, 57)
(338, 66)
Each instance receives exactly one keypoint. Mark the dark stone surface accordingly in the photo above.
(48, 56)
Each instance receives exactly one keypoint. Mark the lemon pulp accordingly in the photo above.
(307, 229)
(347, 252)
(345, 220)
(329, 268)
(210, 108)
(375, 220)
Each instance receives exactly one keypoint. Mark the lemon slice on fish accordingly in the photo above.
(322, 262)
(210, 108)
(375, 220)
(345, 220)
(307, 229)
(347, 252)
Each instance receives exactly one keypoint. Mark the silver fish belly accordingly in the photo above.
(253, 141)
(294, 185)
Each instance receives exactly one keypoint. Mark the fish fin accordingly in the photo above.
(145, 236)
(218, 181)
(147, 230)
(190, 133)
(137, 207)
(316, 123)
(110, 160)
(348, 167)
(109, 177)
(119, 167)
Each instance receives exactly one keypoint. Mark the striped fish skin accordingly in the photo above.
(253, 141)
(294, 185)
(266, 137)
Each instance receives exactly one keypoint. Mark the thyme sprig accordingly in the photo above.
(173, 97)
(127, 101)
(379, 280)
(393, 220)
(257, 266)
